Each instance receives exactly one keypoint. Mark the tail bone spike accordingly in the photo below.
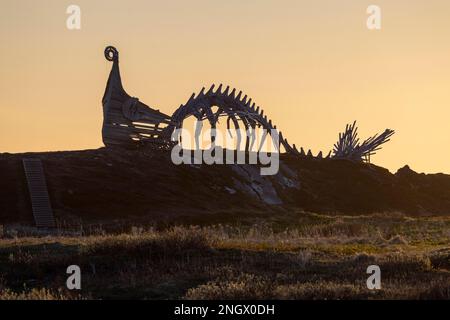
(191, 98)
(302, 152)
(211, 89)
(232, 94)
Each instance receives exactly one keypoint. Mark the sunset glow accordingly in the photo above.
(312, 65)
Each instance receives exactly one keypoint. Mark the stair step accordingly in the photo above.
(37, 187)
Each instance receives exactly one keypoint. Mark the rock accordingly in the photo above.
(256, 185)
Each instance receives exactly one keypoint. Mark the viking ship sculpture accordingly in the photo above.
(129, 123)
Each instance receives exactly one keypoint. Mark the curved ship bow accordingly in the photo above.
(127, 122)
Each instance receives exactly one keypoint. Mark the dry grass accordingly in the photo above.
(37, 294)
(316, 257)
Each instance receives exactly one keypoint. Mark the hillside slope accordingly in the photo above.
(97, 185)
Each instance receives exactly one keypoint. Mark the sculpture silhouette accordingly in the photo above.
(129, 123)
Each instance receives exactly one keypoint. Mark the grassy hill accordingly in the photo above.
(143, 228)
(95, 186)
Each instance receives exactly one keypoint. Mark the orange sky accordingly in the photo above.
(312, 65)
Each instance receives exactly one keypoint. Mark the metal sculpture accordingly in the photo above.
(129, 123)
(348, 146)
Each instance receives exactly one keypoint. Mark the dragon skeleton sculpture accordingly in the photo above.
(129, 123)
